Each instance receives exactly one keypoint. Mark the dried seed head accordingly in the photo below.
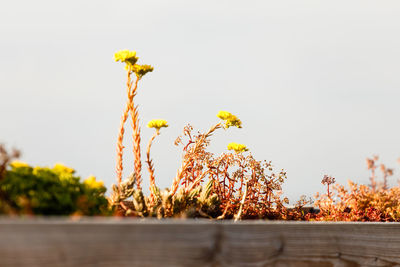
(328, 180)
(370, 164)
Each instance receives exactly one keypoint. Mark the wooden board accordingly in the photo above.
(129, 242)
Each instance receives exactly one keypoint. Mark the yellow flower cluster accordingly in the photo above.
(141, 70)
(230, 119)
(157, 124)
(238, 148)
(93, 183)
(61, 168)
(126, 56)
(130, 58)
(19, 164)
(224, 115)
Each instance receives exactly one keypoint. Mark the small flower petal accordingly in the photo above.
(230, 120)
(126, 56)
(238, 148)
(157, 124)
(141, 70)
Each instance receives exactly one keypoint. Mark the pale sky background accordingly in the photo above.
(316, 83)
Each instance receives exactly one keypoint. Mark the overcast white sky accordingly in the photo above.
(316, 83)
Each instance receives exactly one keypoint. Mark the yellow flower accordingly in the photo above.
(157, 124)
(237, 147)
(224, 115)
(233, 121)
(141, 70)
(92, 183)
(126, 56)
(230, 120)
(19, 164)
(61, 168)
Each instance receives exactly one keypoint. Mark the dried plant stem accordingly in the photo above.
(372, 180)
(121, 203)
(385, 183)
(150, 166)
(329, 193)
(178, 178)
(6, 158)
(197, 181)
(212, 129)
(371, 166)
(186, 163)
(224, 213)
(120, 146)
(239, 214)
(136, 145)
(136, 136)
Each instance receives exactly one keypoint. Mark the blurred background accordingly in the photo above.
(315, 84)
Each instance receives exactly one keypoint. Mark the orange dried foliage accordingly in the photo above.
(375, 202)
(241, 182)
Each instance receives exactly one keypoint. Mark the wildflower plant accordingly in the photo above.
(157, 125)
(231, 185)
(243, 186)
(375, 202)
(130, 59)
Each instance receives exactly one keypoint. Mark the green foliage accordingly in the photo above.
(50, 191)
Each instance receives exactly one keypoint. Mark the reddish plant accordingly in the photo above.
(375, 202)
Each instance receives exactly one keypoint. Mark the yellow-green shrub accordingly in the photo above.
(50, 191)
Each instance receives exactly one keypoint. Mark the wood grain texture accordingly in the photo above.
(129, 242)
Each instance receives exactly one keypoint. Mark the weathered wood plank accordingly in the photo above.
(112, 242)
(338, 243)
